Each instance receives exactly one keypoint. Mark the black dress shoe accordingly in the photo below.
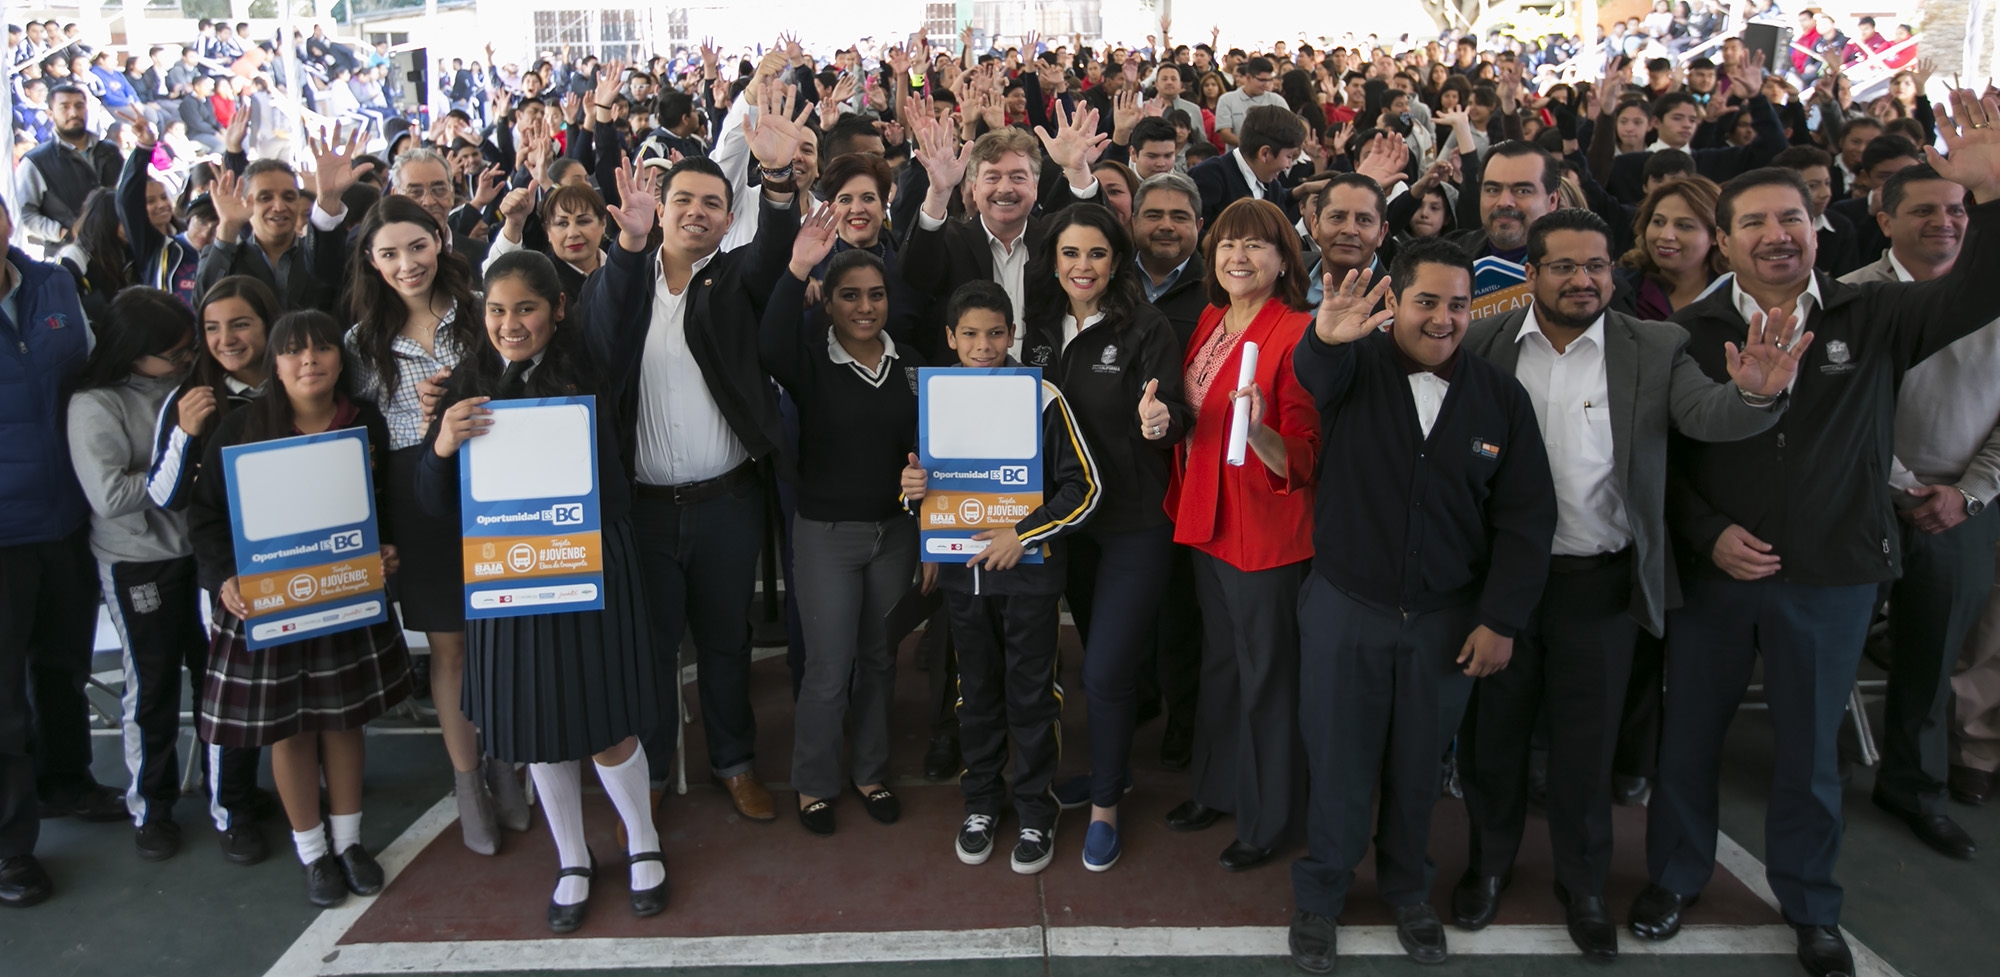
(1420, 932)
(158, 839)
(1824, 952)
(243, 843)
(96, 803)
(1969, 786)
(881, 805)
(1936, 830)
(1239, 856)
(1591, 927)
(325, 885)
(1176, 745)
(1656, 913)
(941, 761)
(1630, 791)
(565, 919)
(1192, 816)
(653, 901)
(818, 817)
(1476, 900)
(23, 883)
(363, 874)
(1312, 940)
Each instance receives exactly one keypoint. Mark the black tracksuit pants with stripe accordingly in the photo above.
(1007, 685)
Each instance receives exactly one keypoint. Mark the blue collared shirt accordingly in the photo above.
(1313, 291)
(1153, 292)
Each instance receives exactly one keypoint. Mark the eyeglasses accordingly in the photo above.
(438, 191)
(1564, 269)
(176, 357)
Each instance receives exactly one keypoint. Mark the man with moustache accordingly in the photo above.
(1785, 537)
(1350, 227)
(1606, 389)
(1512, 187)
(1429, 560)
(56, 176)
(1947, 470)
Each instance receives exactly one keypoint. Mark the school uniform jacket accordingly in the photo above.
(1103, 374)
(164, 262)
(177, 454)
(1249, 517)
(1416, 523)
(1655, 387)
(1628, 170)
(1815, 485)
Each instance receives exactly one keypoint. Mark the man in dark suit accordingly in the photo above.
(1003, 169)
(1883, 157)
(1838, 251)
(1784, 538)
(258, 234)
(1606, 389)
(1269, 142)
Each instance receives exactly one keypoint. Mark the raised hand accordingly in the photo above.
(942, 158)
(817, 234)
(609, 74)
(1770, 355)
(774, 133)
(1154, 418)
(333, 165)
(1384, 159)
(637, 209)
(1747, 78)
(491, 179)
(710, 57)
(1075, 143)
(141, 128)
(232, 135)
(1344, 310)
(1972, 145)
(1925, 68)
(232, 204)
(514, 210)
(1125, 112)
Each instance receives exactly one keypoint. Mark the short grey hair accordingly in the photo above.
(412, 157)
(1176, 182)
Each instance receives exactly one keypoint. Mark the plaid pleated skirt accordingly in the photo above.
(325, 684)
(546, 688)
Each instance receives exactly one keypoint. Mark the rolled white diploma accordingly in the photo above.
(1239, 416)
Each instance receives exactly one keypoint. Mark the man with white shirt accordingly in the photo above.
(701, 418)
(1429, 559)
(1606, 389)
(1784, 538)
(1947, 471)
(1258, 88)
(1272, 139)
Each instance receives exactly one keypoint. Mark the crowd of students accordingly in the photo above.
(1679, 440)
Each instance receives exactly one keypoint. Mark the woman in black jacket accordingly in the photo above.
(1117, 362)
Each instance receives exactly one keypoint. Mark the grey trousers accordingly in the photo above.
(849, 574)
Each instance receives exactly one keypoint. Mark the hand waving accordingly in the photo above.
(1770, 356)
(815, 240)
(1972, 145)
(637, 210)
(333, 166)
(774, 133)
(1343, 315)
(1075, 142)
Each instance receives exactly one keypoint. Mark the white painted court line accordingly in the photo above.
(1380, 941)
(1747, 867)
(308, 952)
(813, 949)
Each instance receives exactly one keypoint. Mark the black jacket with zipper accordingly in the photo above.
(1816, 485)
(1103, 375)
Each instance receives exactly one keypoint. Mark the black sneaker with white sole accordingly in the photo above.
(975, 839)
(1035, 849)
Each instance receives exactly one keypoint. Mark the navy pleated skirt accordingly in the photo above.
(552, 687)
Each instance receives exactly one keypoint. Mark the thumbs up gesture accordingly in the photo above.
(1153, 416)
(915, 480)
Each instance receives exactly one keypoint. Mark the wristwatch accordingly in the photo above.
(1973, 504)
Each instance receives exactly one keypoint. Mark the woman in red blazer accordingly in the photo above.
(1251, 529)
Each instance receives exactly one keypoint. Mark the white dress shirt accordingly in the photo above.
(1747, 306)
(683, 436)
(1010, 264)
(1249, 175)
(1071, 330)
(1428, 389)
(1571, 394)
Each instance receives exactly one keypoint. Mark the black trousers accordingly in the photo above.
(942, 658)
(48, 614)
(699, 566)
(1171, 671)
(1946, 580)
(1378, 693)
(155, 607)
(1007, 685)
(1247, 760)
(1571, 664)
(1638, 752)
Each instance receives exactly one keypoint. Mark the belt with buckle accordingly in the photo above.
(689, 493)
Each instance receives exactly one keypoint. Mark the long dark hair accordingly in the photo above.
(97, 233)
(208, 371)
(1046, 297)
(378, 311)
(565, 369)
(271, 415)
(144, 322)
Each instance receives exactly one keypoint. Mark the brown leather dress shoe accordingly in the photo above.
(1969, 786)
(751, 799)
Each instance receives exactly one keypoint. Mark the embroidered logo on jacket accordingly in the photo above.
(1485, 449)
(1839, 359)
(1107, 361)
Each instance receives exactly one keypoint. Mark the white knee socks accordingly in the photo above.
(311, 843)
(631, 794)
(346, 831)
(561, 787)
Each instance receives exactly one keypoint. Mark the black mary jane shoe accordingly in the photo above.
(881, 804)
(566, 919)
(818, 816)
(653, 901)
(364, 875)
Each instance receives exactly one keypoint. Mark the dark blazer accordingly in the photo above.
(1655, 386)
(936, 262)
(723, 308)
(1184, 300)
(1222, 183)
(317, 277)
(1839, 245)
(199, 115)
(1628, 170)
(1869, 241)
(1814, 485)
